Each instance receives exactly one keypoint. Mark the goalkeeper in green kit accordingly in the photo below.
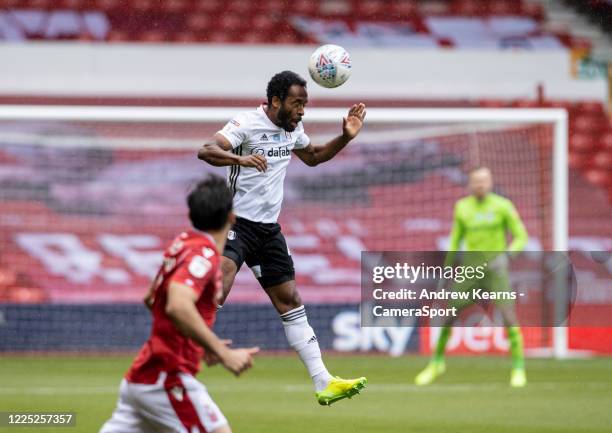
(482, 222)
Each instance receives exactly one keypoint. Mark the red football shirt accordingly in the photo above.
(192, 260)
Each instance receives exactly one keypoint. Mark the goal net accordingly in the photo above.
(92, 195)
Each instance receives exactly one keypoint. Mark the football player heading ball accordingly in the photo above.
(256, 147)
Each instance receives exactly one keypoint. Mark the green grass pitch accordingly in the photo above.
(573, 396)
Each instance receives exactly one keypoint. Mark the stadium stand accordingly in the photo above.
(452, 23)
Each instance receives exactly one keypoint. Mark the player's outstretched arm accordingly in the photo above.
(181, 309)
(351, 125)
(217, 152)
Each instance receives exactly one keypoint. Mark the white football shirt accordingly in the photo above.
(258, 196)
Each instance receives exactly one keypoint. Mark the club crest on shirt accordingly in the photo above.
(199, 266)
(208, 252)
(231, 235)
(485, 216)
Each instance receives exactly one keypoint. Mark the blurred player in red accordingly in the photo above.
(160, 393)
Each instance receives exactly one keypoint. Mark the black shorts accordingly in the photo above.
(262, 246)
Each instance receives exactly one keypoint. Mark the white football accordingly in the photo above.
(330, 66)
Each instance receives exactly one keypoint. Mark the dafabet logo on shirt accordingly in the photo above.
(272, 152)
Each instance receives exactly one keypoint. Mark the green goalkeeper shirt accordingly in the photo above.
(483, 225)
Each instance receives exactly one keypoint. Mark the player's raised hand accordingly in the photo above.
(257, 161)
(352, 124)
(239, 360)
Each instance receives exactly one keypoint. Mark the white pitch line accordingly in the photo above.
(386, 388)
(53, 390)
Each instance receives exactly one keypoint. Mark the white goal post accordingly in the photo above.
(557, 118)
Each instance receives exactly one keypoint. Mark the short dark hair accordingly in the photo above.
(280, 84)
(210, 203)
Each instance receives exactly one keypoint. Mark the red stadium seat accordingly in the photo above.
(118, 36)
(26, 295)
(533, 10)
(336, 8)
(402, 8)
(108, 5)
(255, 38)
(188, 37)
(492, 103)
(434, 8)
(469, 7)
(199, 22)
(526, 103)
(503, 7)
(154, 36)
(560, 103)
(369, 8)
(176, 6)
(588, 123)
(578, 160)
(208, 6)
(10, 4)
(606, 141)
(278, 6)
(40, 4)
(599, 177)
(220, 37)
(242, 7)
(8, 278)
(583, 143)
(262, 23)
(73, 4)
(86, 37)
(286, 38)
(603, 160)
(230, 23)
(593, 107)
(143, 5)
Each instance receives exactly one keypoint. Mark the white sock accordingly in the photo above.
(302, 338)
